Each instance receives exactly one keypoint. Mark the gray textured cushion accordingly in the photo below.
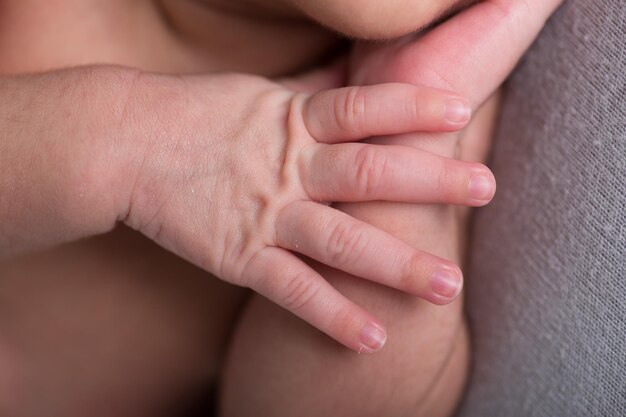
(547, 280)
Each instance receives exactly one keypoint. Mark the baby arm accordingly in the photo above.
(64, 167)
(228, 172)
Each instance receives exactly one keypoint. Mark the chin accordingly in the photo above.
(376, 19)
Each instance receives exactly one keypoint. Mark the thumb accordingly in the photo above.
(472, 53)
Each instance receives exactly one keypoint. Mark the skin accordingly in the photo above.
(193, 193)
(378, 20)
(73, 180)
(422, 369)
(96, 218)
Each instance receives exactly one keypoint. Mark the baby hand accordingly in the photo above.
(236, 172)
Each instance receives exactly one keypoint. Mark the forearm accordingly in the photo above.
(62, 164)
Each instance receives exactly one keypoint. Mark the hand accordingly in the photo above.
(472, 53)
(236, 171)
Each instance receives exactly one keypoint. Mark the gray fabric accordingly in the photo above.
(547, 280)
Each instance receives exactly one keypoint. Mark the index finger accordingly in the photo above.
(354, 113)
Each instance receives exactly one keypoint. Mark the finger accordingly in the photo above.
(355, 113)
(354, 172)
(340, 241)
(291, 283)
(475, 51)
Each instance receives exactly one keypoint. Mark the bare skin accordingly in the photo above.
(105, 32)
(116, 265)
(422, 369)
(214, 304)
(123, 266)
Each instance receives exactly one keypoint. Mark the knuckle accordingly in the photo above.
(414, 274)
(300, 291)
(346, 243)
(342, 321)
(516, 13)
(416, 109)
(308, 163)
(445, 183)
(514, 9)
(350, 107)
(371, 165)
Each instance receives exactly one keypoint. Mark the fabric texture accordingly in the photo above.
(546, 284)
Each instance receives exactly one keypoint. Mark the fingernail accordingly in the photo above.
(372, 338)
(480, 187)
(457, 111)
(446, 283)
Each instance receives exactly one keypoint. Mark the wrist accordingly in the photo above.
(64, 173)
(102, 160)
